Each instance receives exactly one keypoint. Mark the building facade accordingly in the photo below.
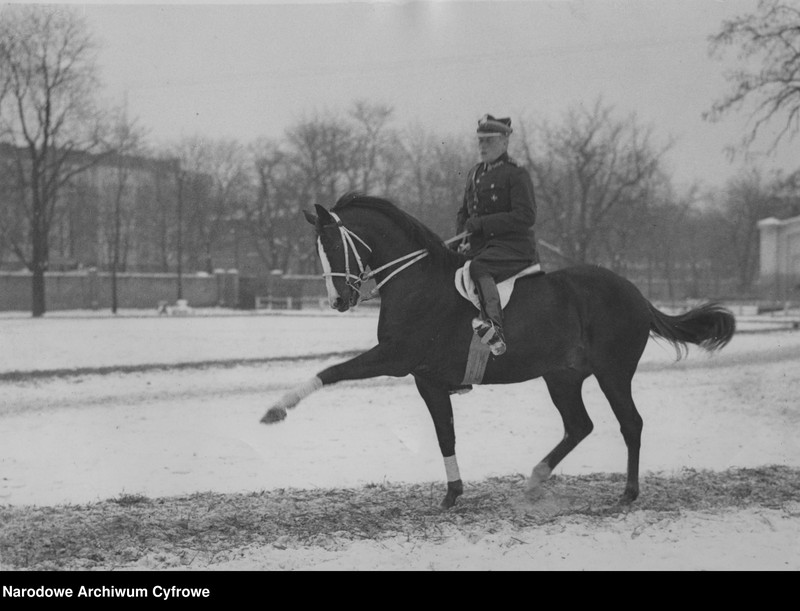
(779, 272)
(132, 213)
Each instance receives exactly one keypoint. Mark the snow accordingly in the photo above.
(161, 432)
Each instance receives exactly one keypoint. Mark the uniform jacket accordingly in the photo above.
(500, 196)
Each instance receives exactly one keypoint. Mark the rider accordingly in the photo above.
(499, 211)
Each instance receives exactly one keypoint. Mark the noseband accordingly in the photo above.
(354, 281)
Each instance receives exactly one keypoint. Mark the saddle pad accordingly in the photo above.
(466, 287)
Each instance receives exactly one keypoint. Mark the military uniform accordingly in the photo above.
(499, 211)
(499, 198)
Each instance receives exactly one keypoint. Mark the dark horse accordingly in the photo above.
(563, 326)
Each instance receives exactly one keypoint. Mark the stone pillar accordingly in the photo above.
(227, 288)
(94, 288)
(769, 257)
(232, 297)
(219, 275)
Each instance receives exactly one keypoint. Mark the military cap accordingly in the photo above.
(489, 126)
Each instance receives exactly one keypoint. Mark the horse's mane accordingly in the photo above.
(413, 228)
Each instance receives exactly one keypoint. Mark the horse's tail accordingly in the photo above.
(709, 326)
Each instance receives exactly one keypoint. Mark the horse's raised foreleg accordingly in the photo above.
(277, 412)
(382, 360)
(437, 398)
(565, 391)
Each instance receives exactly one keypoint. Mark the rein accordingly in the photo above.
(354, 281)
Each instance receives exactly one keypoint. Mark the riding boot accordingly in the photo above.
(490, 326)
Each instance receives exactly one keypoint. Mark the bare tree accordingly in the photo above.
(322, 150)
(127, 140)
(10, 230)
(48, 115)
(13, 220)
(272, 216)
(768, 44)
(663, 228)
(435, 176)
(156, 212)
(584, 170)
(703, 247)
(225, 162)
(747, 199)
(372, 141)
(417, 147)
(211, 179)
(627, 238)
(788, 194)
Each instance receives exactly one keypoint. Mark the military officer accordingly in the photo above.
(499, 211)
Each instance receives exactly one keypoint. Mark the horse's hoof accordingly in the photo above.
(274, 414)
(628, 497)
(454, 490)
(533, 494)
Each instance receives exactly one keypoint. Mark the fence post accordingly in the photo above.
(94, 289)
(232, 299)
(227, 288)
(219, 275)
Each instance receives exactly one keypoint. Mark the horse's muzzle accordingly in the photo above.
(342, 304)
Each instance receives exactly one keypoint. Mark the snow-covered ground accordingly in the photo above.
(87, 339)
(82, 339)
(162, 432)
(79, 439)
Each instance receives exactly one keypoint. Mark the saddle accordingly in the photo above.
(466, 287)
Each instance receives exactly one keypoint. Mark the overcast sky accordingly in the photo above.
(244, 71)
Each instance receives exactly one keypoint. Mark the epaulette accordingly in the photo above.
(514, 162)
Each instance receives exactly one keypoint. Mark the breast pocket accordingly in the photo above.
(493, 197)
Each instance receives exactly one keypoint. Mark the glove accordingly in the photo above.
(473, 225)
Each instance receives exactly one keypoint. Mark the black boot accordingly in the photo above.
(490, 326)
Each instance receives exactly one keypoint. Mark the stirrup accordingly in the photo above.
(490, 335)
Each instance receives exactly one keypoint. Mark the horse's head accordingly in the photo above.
(343, 256)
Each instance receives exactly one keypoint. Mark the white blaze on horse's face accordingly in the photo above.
(333, 295)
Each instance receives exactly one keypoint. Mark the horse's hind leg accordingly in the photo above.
(565, 391)
(617, 388)
(437, 398)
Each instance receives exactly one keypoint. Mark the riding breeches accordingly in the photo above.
(495, 262)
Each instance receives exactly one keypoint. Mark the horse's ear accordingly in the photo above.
(310, 217)
(323, 216)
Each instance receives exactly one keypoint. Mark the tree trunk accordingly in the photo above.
(38, 308)
(115, 255)
(38, 265)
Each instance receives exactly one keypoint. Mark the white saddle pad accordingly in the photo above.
(468, 290)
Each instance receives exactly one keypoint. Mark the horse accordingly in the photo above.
(563, 326)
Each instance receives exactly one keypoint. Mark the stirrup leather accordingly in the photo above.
(490, 334)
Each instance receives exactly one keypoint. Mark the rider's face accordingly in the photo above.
(491, 147)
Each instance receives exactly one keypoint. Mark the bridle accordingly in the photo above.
(354, 281)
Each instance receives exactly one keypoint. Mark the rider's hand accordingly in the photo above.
(473, 225)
